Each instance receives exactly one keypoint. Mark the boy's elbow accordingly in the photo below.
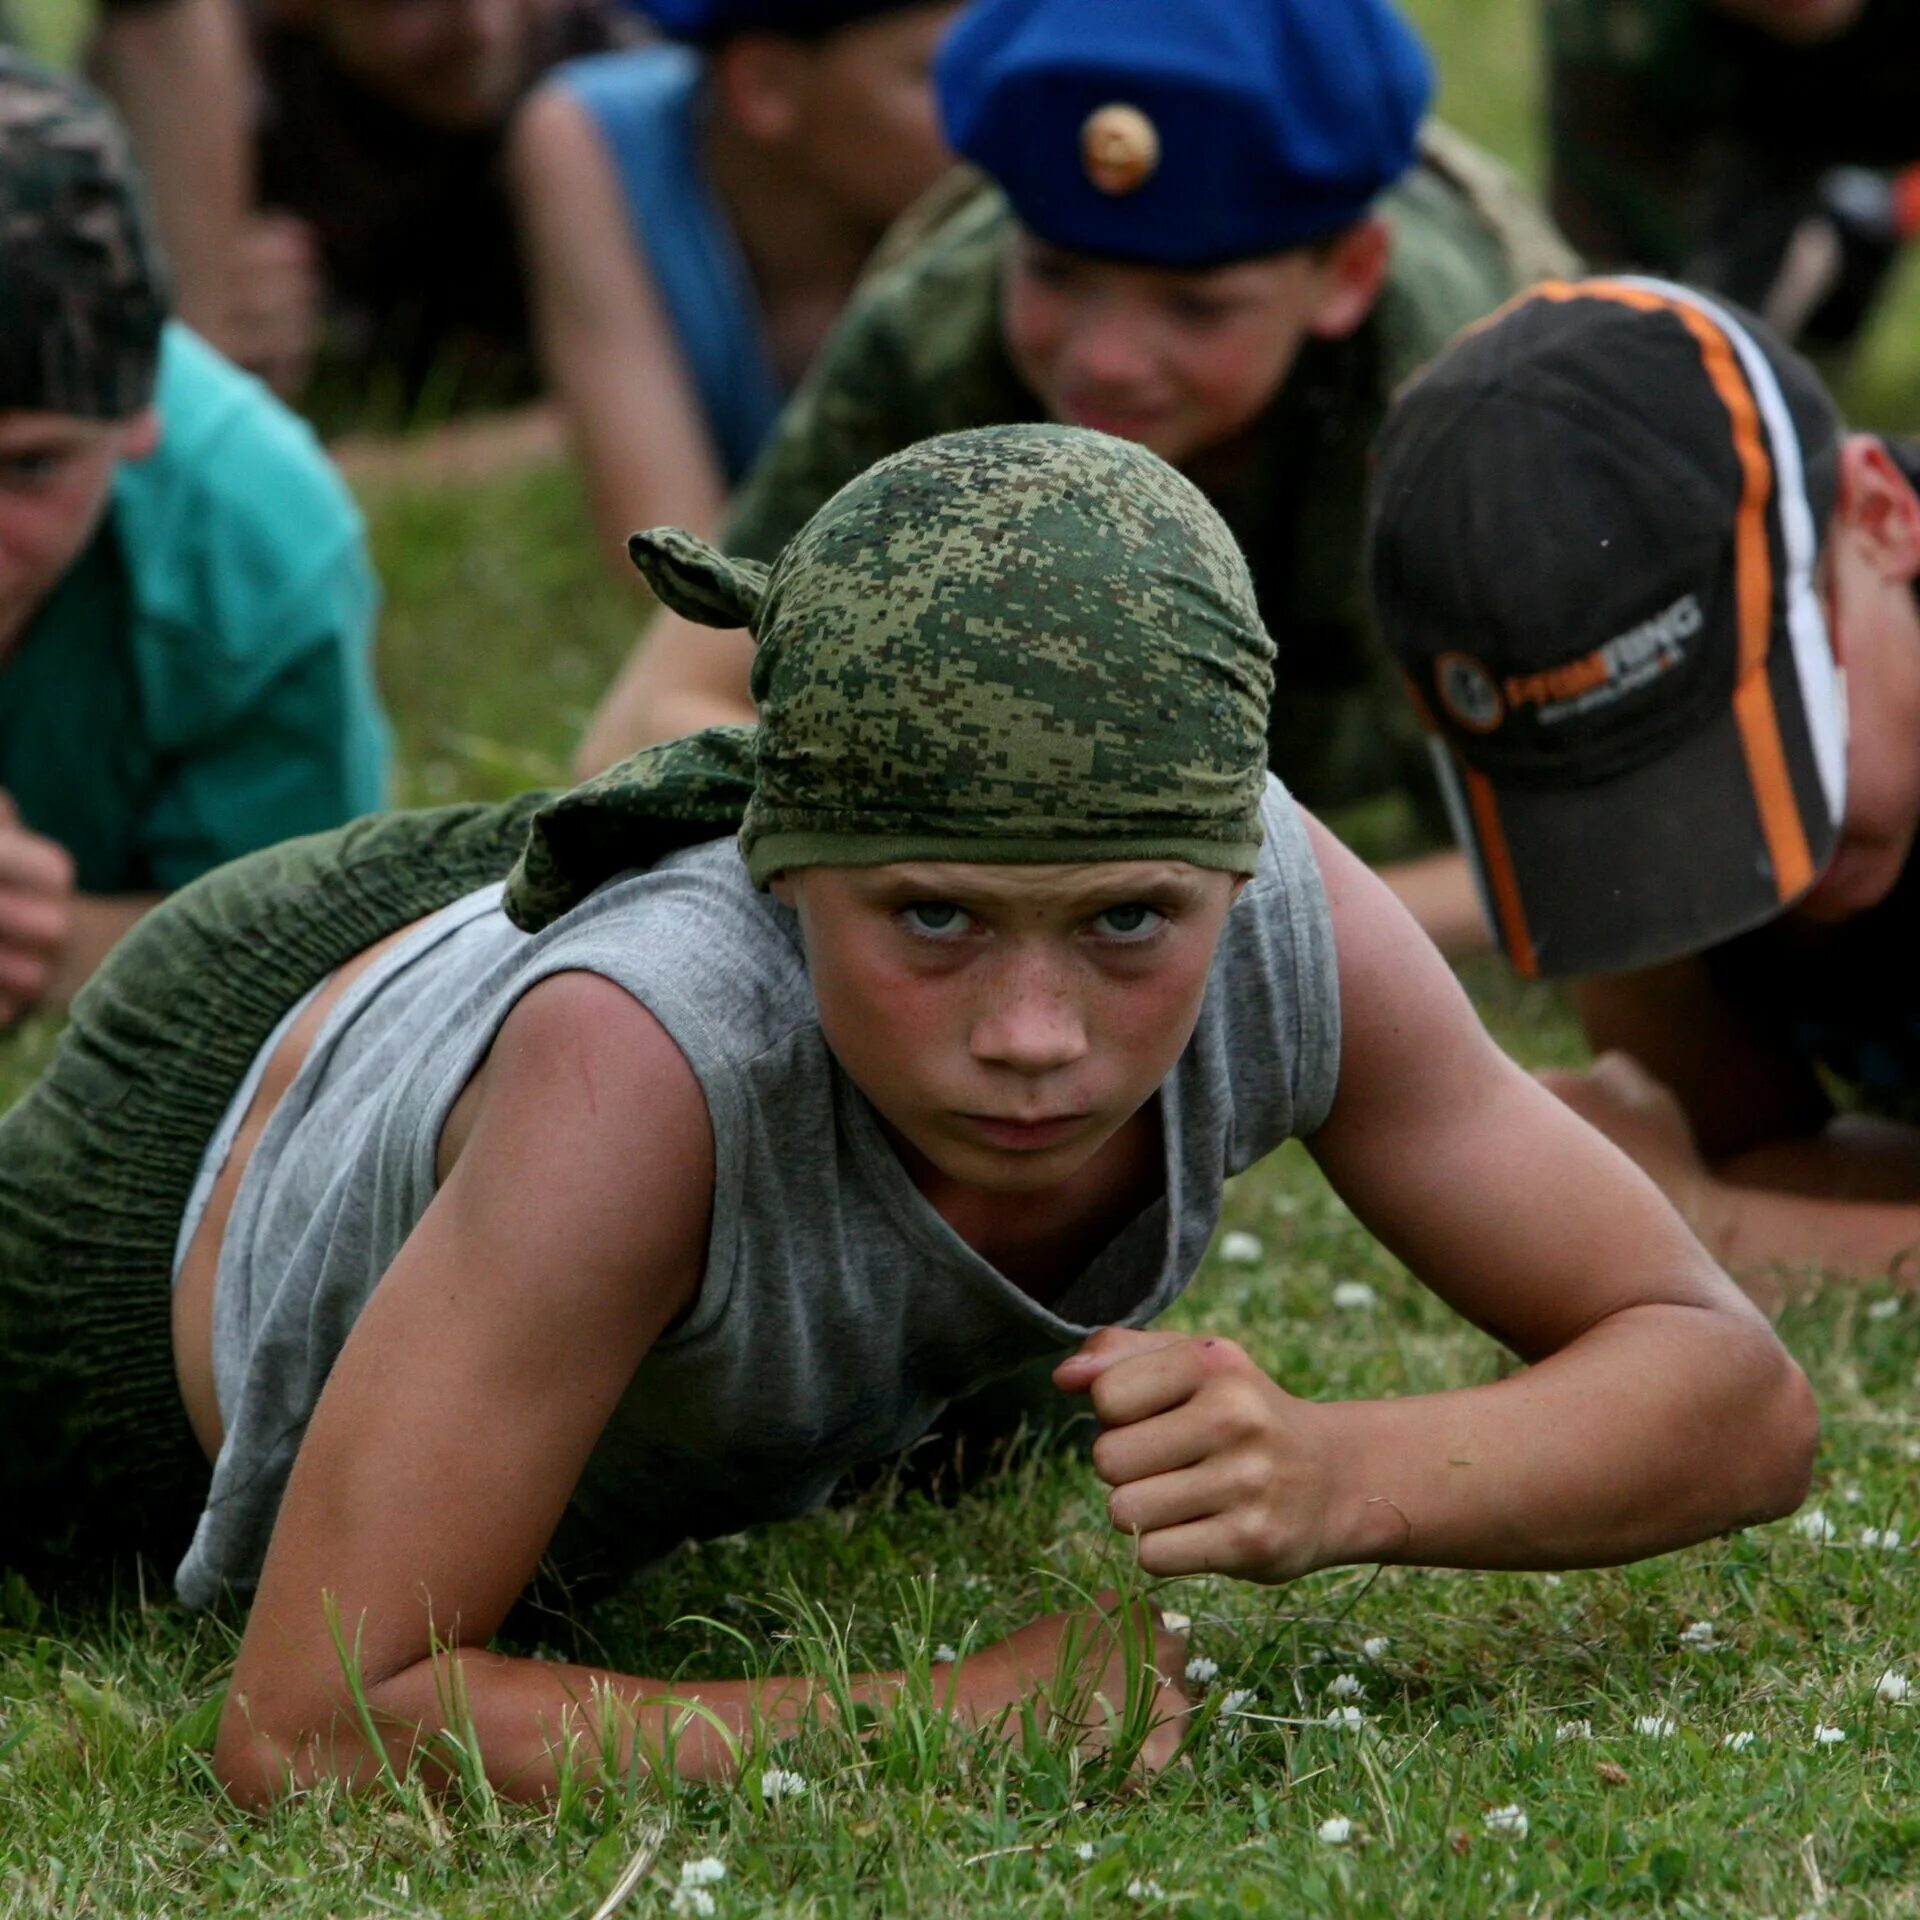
(1781, 1423)
(252, 1765)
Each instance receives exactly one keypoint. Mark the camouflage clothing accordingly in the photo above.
(921, 353)
(83, 294)
(1017, 644)
(1697, 146)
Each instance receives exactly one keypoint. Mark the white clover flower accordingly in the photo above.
(1375, 1650)
(1083, 1850)
(1703, 1633)
(1551, 1580)
(1238, 1701)
(1335, 1832)
(1349, 1719)
(778, 1784)
(1574, 1730)
(694, 1901)
(1346, 1686)
(1884, 1309)
(1354, 1296)
(1852, 1496)
(1815, 1526)
(703, 1873)
(1202, 1671)
(1829, 1736)
(1509, 1821)
(1739, 1742)
(1145, 1890)
(1241, 1249)
(944, 1655)
(1892, 1686)
(1887, 1539)
(1656, 1726)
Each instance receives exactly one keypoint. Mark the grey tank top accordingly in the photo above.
(838, 1314)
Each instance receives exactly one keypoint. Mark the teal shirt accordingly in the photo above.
(200, 682)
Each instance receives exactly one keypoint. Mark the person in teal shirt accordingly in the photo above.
(186, 601)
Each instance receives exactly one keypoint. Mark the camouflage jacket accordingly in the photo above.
(920, 352)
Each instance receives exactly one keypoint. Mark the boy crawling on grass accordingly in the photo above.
(645, 1196)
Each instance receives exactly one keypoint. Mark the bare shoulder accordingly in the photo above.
(587, 1112)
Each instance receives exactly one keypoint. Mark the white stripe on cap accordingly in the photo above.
(1823, 693)
(1460, 818)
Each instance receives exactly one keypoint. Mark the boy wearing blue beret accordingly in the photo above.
(698, 214)
(1221, 233)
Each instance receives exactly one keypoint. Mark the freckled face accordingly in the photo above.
(1005, 1021)
(1178, 360)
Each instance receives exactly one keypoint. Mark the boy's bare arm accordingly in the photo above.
(567, 1235)
(1658, 1408)
(178, 73)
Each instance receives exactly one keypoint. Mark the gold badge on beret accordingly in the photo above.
(1120, 148)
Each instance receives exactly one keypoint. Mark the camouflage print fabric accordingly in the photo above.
(83, 294)
(1017, 644)
(920, 353)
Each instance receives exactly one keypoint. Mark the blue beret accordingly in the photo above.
(1186, 132)
(708, 20)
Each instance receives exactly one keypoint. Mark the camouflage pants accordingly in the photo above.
(97, 1463)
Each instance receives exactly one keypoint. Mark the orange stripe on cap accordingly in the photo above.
(1753, 709)
(1497, 863)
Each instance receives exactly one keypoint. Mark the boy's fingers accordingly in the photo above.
(23, 978)
(1166, 1500)
(33, 863)
(32, 923)
(1181, 1438)
(1078, 1371)
(1197, 1546)
(1145, 1384)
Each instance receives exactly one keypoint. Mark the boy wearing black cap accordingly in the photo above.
(697, 214)
(1184, 249)
(1640, 581)
(186, 606)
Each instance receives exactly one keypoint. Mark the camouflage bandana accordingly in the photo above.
(83, 294)
(1023, 644)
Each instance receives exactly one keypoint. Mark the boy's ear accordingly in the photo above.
(1351, 276)
(140, 435)
(1879, 506)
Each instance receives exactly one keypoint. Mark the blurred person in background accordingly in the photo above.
(1761, 148)
(186, 604)
(381, 279)
(1223, 233)
(697, 215)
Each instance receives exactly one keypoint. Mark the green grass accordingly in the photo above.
(500, 631)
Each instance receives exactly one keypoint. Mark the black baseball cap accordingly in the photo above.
(1592, 544)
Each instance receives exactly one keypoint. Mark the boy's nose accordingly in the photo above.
(1033, 1025)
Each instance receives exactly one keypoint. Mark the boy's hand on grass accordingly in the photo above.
(1214, 1468)
(1089, 1667)
(36, 912)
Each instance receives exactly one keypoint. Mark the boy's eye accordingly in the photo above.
(936, 917)
(29, 469)
(1130, 921)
